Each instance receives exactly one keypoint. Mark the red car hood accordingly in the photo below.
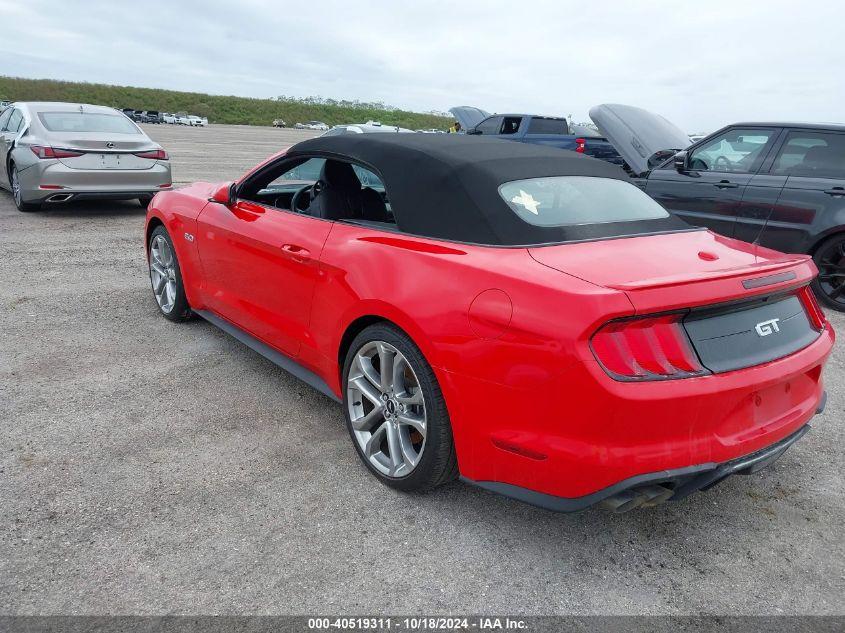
(664, 272)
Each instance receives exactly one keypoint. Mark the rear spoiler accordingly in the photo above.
(757, 270)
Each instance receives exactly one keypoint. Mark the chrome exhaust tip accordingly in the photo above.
(60, 197)
(638, 497)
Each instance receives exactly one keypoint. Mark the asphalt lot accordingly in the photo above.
(149, 468)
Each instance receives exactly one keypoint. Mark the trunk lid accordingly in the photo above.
(637, 134)
(116, 151)
(468, 116)
(678, 270)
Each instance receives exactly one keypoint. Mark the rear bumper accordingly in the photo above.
(652, 488)
(581, 436)
(85, 184)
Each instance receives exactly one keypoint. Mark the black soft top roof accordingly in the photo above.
(446, 186)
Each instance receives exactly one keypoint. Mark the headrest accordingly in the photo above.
(338, 174)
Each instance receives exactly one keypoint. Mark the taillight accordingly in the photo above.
(155, 154)
(580, 145)
(812, 307)
(53, 152)
(648, 348)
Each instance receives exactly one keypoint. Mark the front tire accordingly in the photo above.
(829, 286)
(166, 277)
(17, 193)
(395, 412)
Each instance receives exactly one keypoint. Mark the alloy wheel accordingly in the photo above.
(163, 273)
(16, 186)
(386, 409)
(831, 264)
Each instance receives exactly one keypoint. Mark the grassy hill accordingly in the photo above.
(218, 109)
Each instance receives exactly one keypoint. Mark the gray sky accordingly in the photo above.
(700, 64)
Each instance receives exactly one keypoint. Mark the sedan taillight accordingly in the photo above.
(648, 348)
(155, 154)
(54, 152)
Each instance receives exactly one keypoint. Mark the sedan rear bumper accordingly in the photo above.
(65, 184)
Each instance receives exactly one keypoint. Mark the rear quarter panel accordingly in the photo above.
(426, 288)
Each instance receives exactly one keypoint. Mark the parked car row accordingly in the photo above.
(365, 128)
(155, 117)
(311, 125)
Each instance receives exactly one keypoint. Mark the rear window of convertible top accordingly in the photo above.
(572, 200)
(87, 122)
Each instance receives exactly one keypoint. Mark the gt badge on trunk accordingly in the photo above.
(764, 328)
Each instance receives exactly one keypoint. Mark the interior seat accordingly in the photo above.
(816, 158)
(340, 195)
(373, 207)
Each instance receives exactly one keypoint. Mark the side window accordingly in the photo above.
(545, 125)
(733, 151)
(368, 178)
(303, 174)
(813, 154)
(511, 124)
(346, 191)
(277, 186)
(15, 121)
(4, 119)
(490, 125)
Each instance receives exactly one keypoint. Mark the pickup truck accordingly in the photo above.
(538, 130)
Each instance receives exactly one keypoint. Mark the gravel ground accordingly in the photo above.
(150, 468)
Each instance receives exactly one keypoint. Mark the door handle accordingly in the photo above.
(726, 184)
(836, 191)
(297, 253)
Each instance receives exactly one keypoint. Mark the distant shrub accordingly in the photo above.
(220, 109)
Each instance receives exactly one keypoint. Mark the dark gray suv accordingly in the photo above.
(781, 185)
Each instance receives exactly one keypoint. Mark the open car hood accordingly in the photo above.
(637, 134)
(468, 116)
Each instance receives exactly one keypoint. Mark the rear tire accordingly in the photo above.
(829, 286)
(144, 201)
(166, 277)
(399, 424)
(17, 194)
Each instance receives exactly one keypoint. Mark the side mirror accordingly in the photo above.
(473, 130)
(680, 161)
(226, 194)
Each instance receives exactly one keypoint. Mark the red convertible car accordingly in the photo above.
(522, 317)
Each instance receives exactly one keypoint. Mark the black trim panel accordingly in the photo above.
(285, 362)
